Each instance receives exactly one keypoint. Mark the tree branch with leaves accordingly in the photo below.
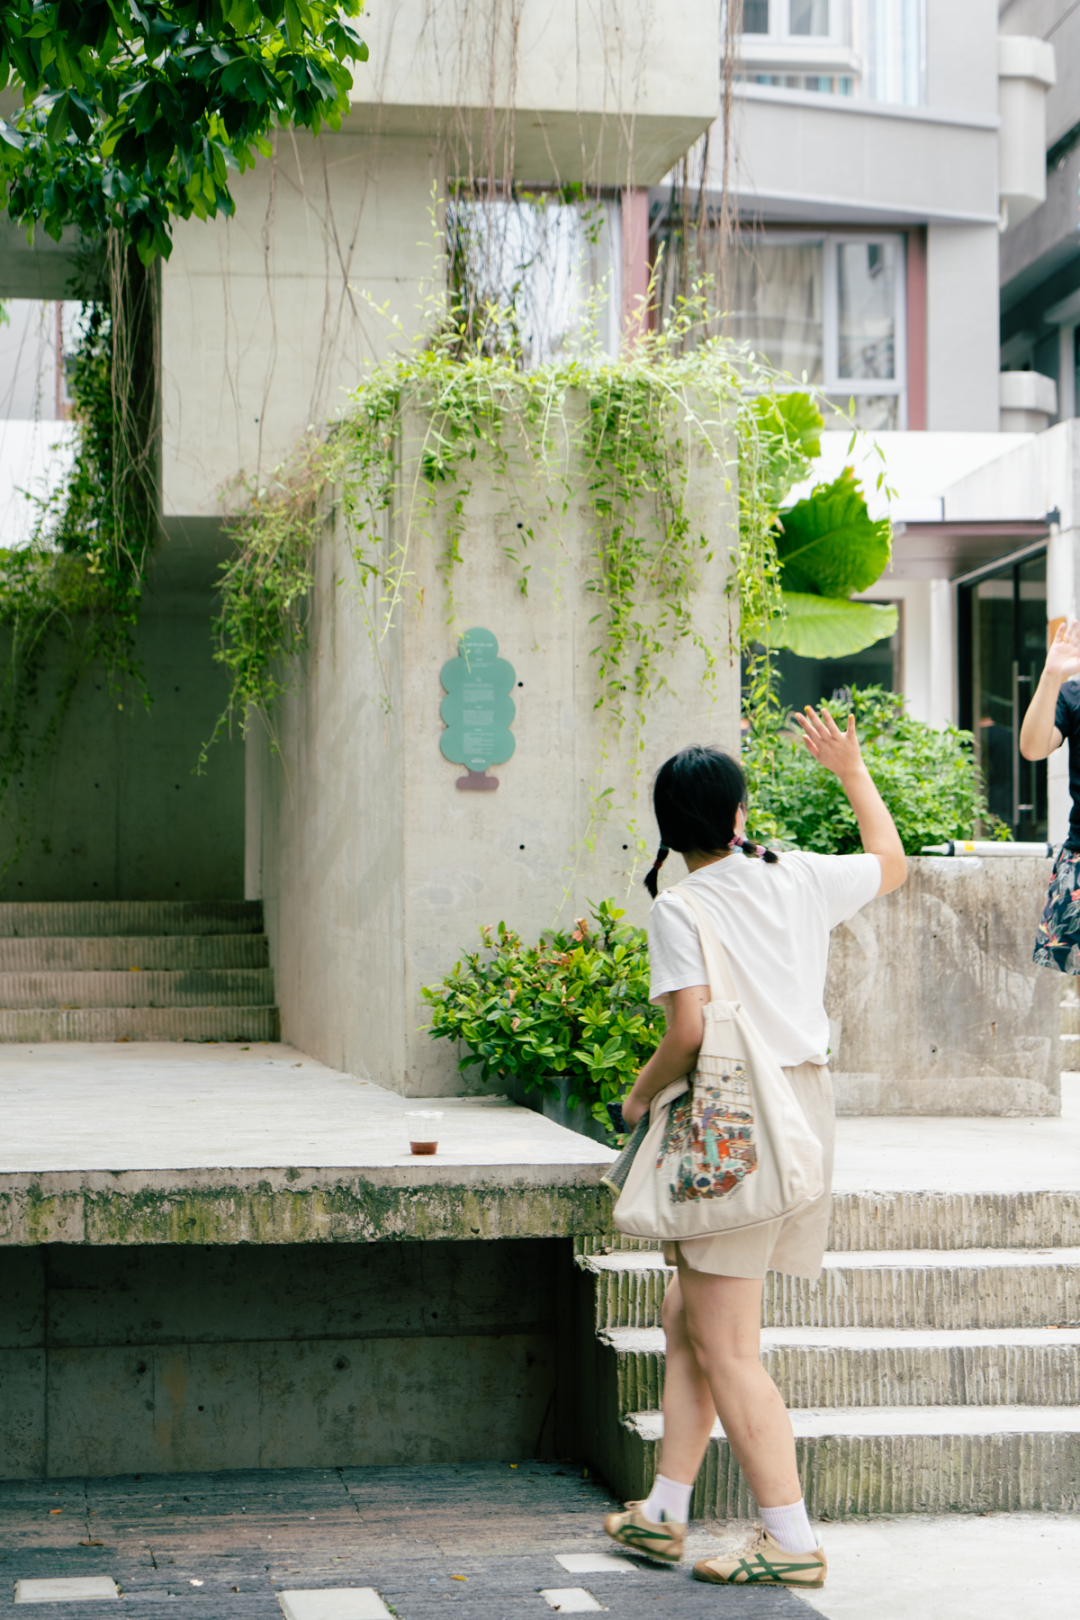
(134, 115)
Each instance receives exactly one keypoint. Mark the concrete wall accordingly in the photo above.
(268, 318)
(935, 1003)
(119, 814)
(803, 156)
(962, 346)
(165, 1360)
(1059, 22)
(375, 870)
(605, 94)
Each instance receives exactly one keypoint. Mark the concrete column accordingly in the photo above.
(962, 338)
(1066, 373)
(377, 872)
(916, 330)
(635, 261)
(943, 702)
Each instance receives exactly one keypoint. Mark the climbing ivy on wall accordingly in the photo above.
(632, 424)
(69, 599)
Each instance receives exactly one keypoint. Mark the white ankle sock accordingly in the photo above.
(670, 1500)
(789, 1527)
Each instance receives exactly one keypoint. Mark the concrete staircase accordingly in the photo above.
(934, 1368)
(128, 970)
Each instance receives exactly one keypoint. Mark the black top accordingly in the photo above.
(1067, 720)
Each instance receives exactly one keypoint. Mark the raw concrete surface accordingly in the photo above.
(990, 1566)
(972, 1155)
(375, 872)
(183, 1143)
(118, 813)
(171, 1105)
(177, 1357)
(934, 1003)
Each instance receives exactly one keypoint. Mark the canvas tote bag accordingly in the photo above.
(728, 1147)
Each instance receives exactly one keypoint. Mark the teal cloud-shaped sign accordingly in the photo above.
(478, 710)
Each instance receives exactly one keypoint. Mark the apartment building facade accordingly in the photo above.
(907, 174)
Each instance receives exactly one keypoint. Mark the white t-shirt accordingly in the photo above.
(774, 921)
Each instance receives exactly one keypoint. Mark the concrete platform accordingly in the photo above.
(180, 1143)
(169, 1142)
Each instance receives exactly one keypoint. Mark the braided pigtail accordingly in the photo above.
(654, 870)
(748, 847)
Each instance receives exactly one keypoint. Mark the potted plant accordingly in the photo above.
(563, 1025)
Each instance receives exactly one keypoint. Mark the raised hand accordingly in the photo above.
(837, 750)
(1063, 656)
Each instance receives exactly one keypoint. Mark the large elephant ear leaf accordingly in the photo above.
(789, 428)
(802, 422)
(830, 544)
(825, 627)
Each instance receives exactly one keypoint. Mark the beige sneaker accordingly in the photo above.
(765, 1564)
(633, 1530)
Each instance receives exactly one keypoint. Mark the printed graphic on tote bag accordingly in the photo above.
(708, 1148)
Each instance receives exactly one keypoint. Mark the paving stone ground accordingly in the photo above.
(222, 1546)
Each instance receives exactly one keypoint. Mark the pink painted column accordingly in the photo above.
(635, 262)
(916, 329)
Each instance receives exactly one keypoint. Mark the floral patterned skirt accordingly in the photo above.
(1057, 939)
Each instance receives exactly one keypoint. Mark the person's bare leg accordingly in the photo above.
(688, 1407)
(723, 1325)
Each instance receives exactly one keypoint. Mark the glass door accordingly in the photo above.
(1006, 613)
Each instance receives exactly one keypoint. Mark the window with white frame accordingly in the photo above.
(871, 49)
(828, 310)
(792, 19)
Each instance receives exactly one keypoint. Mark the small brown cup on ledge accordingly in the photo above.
(424, 1131)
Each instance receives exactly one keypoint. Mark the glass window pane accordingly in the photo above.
(992, 629)
(534, 273)
(872, 413)
(809, 17)
(776, 304)
(755, 17)
(894, 51)
(866, 276)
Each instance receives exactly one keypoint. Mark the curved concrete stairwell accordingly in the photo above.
(135, 970)
(935, 1367)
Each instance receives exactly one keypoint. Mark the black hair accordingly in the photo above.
(696, 796)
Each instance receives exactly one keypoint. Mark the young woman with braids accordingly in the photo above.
(773, 916)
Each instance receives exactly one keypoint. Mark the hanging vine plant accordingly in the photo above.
(69, 599)
(631, 426)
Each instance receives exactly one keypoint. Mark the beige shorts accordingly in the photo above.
(796, 1243)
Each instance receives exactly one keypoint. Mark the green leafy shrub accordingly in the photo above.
(575, 1004)
(928, 779)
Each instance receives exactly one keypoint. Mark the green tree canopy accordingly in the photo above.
(134, 113)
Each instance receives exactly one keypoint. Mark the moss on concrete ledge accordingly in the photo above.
(292, 1206)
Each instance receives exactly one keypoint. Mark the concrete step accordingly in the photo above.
(927, 1220)
(946, 1289)
(873, 1460)
(846, 1367)
(894, 1221)
(1070, 1018)
(173, 952)
(216, 987)
(30, 1025)
(90, 918)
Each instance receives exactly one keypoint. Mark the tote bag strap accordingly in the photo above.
(717, 966)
